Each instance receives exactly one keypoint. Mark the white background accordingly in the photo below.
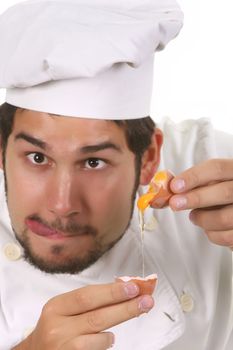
(194, 75)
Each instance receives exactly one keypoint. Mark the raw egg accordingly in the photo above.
(158, 193)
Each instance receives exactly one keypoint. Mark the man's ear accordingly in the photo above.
(151, 158)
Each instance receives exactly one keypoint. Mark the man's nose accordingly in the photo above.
(62, 196)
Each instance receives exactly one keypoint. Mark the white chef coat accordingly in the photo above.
(193, 299)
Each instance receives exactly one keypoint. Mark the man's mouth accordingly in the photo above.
(41, 229)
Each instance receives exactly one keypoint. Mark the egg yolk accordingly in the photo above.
(144, 201)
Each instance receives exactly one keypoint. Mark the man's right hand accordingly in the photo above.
(78, 319)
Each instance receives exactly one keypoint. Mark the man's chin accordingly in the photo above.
(68, 265)
(57, 262)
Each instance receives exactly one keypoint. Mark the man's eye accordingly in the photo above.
(37, 158)
(94, 163)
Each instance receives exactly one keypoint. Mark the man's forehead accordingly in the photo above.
(50, 128)
(30, 116)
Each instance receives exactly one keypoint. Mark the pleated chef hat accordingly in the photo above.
(84, 58)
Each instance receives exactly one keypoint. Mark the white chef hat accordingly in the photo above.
(84, 58)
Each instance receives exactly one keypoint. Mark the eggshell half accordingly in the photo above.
(146, 285)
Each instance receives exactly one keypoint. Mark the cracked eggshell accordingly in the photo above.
(162, 196)
(146, 285)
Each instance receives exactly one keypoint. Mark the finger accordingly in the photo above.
(99, 320)
(203, 197)
(204, 173)
(223, 238)
(220, 219)
(91, 297)
(100, 341)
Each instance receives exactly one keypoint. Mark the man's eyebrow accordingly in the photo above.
(84, 150)
(33, 140)
(100, 147)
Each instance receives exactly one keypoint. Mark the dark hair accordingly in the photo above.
(138, 134)
(138, 131)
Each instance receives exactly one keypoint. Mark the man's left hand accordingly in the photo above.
(207, 189)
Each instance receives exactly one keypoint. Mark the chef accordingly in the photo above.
(77, 149)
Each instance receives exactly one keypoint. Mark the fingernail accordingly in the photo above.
(131, 289)
(146, 303)
(180, 202)
(178, 185)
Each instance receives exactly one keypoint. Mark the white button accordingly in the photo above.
(27, 332)
(12, 251)
(187, 302)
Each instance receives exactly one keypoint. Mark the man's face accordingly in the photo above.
(70, 188)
